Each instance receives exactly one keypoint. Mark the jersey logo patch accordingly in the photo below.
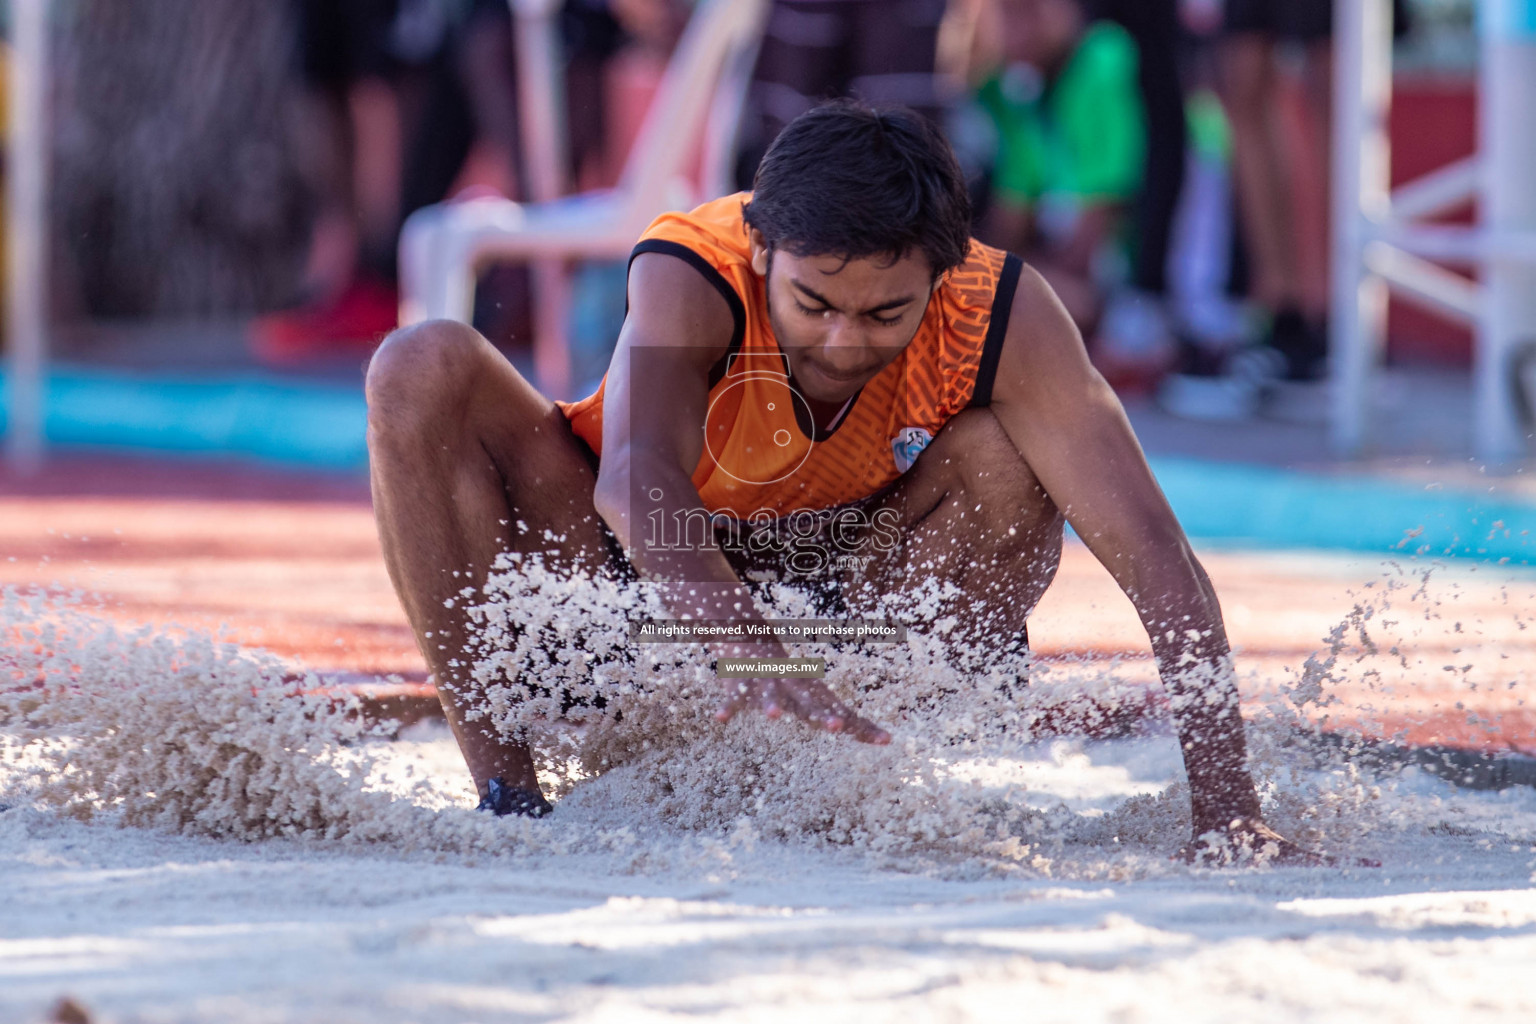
(908, 445)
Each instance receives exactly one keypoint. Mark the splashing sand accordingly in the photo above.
(186, 733)
(361, 878)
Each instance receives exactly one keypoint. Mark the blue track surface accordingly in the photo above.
(312, 426)
(318, 427)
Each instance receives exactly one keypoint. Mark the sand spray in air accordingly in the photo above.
(187, 733)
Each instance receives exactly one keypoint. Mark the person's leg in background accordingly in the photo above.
(1248, 90)
(347, 299)
(1136, 324)
(325, 70)
(1313, 257)
(1274, 211)
(1156, 31)
(1207, 272)
(592, 37)
(1309, 27)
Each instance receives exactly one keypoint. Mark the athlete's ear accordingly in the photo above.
(759, 249)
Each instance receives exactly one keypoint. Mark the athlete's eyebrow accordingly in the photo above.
(884, 307)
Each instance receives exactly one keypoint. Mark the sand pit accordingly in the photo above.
(745, 872)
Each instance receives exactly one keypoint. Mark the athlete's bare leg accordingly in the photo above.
(461, 448)
(971, 512)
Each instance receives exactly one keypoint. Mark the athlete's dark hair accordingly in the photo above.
(844, 179)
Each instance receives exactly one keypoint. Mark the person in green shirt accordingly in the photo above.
(1071, 145)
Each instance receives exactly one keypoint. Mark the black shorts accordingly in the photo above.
(759, 567)
(1306, 21)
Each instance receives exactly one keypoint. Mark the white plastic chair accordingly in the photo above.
(697, 109)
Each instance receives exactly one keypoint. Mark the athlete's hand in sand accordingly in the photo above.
(1249, 842)
(806, 699)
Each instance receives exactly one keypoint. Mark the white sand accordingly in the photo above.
(281, 867)
(139, 925)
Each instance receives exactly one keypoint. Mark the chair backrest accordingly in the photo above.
(698, 104)
(717, 165)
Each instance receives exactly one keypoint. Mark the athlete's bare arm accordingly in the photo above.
(678, 327)
(1070, 428)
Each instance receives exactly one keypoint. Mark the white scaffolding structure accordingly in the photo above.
(26, 200)
(1380, 242)
(541, 109)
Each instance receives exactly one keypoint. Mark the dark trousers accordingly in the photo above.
(1154, 24)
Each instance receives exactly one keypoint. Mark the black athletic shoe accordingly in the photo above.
(1304, 345)
(501, 799)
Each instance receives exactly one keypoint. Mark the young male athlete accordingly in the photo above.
(832, 353)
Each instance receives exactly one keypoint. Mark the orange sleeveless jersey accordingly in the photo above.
(762, 453)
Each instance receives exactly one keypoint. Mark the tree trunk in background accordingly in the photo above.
(177, 182)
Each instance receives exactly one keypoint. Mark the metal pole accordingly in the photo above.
(27, 235)
(1507, 90)
(1362, 94)
(541, 103)
(541, 100)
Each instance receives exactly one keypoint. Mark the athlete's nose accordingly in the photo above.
(844, 348)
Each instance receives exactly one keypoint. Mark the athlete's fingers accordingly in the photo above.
(771, 698)
(805, 702)
(811, 702)
(738, 696)
(830, 711)
(865, 731)
(817, 706)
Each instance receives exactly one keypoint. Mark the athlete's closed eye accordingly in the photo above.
(887, 314)
(884, 321)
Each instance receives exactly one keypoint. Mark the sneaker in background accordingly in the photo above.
(1303, 344)
(1215, 384)
(348, 324)
(1300, 392)
(1223, 373)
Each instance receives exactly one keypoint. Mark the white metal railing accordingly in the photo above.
(697, 105)
(26, 200)
(1381, 242)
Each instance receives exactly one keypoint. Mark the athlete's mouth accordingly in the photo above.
(837, 376)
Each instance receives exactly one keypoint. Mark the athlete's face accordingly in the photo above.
(840, 322)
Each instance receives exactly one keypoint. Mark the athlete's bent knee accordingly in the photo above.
(421, 367)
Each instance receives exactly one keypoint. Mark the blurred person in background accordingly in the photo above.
(1208, 270)
(1136, 336)
(416, 103)
(358, 60)
(880, 51)
(1282, 178)
(1062, 93)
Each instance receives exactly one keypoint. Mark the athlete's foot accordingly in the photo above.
(1253, 843)
(501, 799)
